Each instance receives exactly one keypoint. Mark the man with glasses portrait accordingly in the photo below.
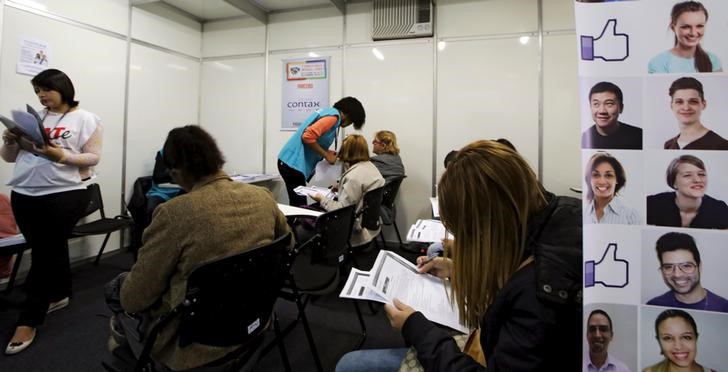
(681, 268)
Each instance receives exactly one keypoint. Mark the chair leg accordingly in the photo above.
(281, 346)
(399, 237)
(363, 326)
(384, 242)
(309, 335)
(101, 251)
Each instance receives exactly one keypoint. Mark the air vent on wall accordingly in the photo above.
(401, 19)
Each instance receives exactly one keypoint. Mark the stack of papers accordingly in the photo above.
(428, 231)
(394, 277)
(313, 190)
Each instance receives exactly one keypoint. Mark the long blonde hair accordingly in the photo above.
(486, 196)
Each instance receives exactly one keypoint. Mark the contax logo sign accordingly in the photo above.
(301, 105)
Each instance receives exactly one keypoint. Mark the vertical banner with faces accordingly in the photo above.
(654, 115)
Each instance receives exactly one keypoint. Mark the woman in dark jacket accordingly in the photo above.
(516, 270)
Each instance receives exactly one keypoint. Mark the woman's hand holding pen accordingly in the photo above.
(437, 266)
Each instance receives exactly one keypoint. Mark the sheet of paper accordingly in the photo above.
(427, 231)
(326, 174)
(435, 208)
(392, 276)
(12, 240)
(313, 190)
(296, 211)
(357, 287)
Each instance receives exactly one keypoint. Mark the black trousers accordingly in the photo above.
(46, 221)
(292, 179)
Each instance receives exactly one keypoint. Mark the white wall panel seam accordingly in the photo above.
(65, 20)
(165, 50)
(265, 98)
(540, 89)
(300, 50)
(233, 57)
(126, 116)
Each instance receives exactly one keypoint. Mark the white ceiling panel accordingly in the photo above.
(207, 9)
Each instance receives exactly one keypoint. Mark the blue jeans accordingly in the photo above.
(374, 360)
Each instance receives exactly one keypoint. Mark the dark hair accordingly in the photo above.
(702, 60)
(605, 86)
(599, 158)
(674, 313)
(674, 241)
(602, 312)
(506, 142)
(687, 83)
(671, 172)
(192, 150)
(354, 111)
(52, 79)
(450, 157)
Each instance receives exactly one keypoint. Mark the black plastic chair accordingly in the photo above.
(103, 225)
(229, 302)
(370, 211)
(318, 266)
(388, 210)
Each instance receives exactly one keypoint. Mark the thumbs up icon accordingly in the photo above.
(609, 46)
(609, 271)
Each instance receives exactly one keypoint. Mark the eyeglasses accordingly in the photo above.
(376, 142)
(686, 267)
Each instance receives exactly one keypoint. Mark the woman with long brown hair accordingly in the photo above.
(515, 267)
(687, 21)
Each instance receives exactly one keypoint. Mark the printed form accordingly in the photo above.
(392, 276)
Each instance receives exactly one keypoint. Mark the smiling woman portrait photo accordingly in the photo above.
(677, 334)
(605, 177)
(688, 21)
(688, 205)
(687, 102)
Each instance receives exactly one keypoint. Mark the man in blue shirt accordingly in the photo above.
(681, 268)
(599, 334)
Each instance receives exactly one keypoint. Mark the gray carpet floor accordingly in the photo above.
(74, 339)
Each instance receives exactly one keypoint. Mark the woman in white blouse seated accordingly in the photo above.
(359, 176)
(604, 177)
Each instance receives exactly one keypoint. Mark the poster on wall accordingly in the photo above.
(33, 57)
(654, 108)
(305, 89)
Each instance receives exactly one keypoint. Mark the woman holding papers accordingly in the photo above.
(359, 176)
(515, 269)
(49, 196)
(298, 157)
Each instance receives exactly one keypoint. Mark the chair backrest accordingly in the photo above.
(370, 209)
(391, 189)
(229, 301)
(96, 203)
(333, 230)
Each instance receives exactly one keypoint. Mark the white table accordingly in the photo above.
(289, 210)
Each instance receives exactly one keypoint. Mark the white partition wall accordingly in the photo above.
(163, 94)
(400, 102)
(94, 58)
(484, 81)
(232, 110)
(484, 74)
